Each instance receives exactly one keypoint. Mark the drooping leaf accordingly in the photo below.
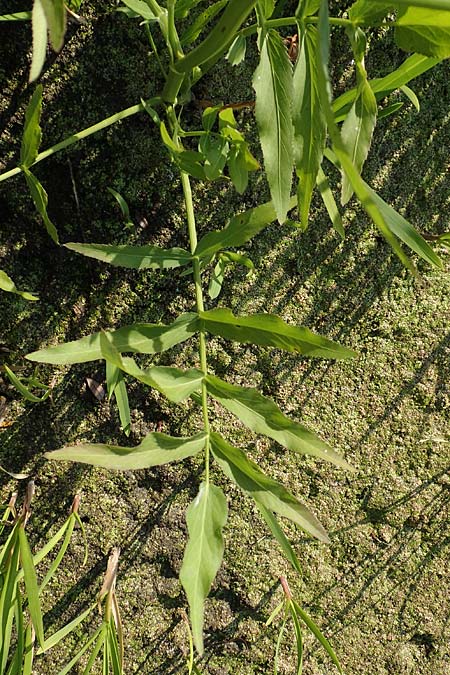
(206, 517)
(330, 202)
(275, 527)
(40, 199)
(31, 586)
(174, 383)
(309, 122)
(133, 257)
(359, 125)
(270, 330)
(424, 30)
(404, 230)
(263, 416)
(8, 285)
(121, 396)
(146, 338)
(272, 83)
(264, 490)
(239, 230)
(39, 27)
(409, 93)
(55, 13)
(32, 134)
(154, 450)
(54, 639)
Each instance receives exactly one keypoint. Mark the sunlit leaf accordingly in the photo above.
(315, 630)
(133, 257)
(26, 393)
(424, 30)
(263, 416)
(55, 12)
(264, 490)
(330, 202)
(31, 586)
(39, 26)
(270, 330)
(309, 121)
(145, 338)
(7, 284)
(236, 53)
(154, 450)
(272, 82)
(141, 8)
(206, 517)
(40, 199)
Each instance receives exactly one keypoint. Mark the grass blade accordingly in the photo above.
(31, 585)
(315, 630)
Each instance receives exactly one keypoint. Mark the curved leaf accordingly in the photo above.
(272, 83)
(154, 450)
(8, 285)
(205, 517)
(133, 257)
(40, 199)
(39, 27)
(285, 544)
(270, 330)
(55, 12)
(264, 490)
(32, 134)
(263, 416)
(145, 338)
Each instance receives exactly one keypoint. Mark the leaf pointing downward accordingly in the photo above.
(206, 517)
(272, 83)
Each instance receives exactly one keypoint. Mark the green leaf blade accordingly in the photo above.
(32, 133)
(280, 536)
(133, 257)
(39, 27)
(270, 330)
(40, 200)
(154, 450)
(272, 83)
(264, 490)
(263, 416)
(143, 338)
(309, 121)
(31, 585)
(206, 516)
(8, 285)
(424, 30)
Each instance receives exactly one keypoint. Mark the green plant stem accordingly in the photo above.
(70, 140)
(292, 21)
(192, 230)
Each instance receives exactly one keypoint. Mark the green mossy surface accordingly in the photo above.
(380, 590)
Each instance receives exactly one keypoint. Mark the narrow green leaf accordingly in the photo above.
(29, 651)
(389, 110)
(369, 13)
(424, 30)
(263, 416)
(32, 134)
(16, 16)
(134, 257)
(29, 574)
(264, 490)
(330, 202)
(99, 644)
(315, 630)
(285, 544)
(16, 664)
(39, 26)
(272, 83)
(216, 281)
(298, 637)
(359, 125)
(205, 517)
(121, 395)
(174, 383)
(54, 639)
(113, 646)
(94, 638)
(270, 330)
(403, 229)
(144, 338)
(40, 199)
(309, 121)
(26, 393)
(8, 285)
(70, 524)
(154, 450)
(214, 150)
(7, 596)
(194, 30)
(55, 12)
(237, 51)
(412, 67)
(239, 230)
(278, 646)
(121, 202)
(409, 93)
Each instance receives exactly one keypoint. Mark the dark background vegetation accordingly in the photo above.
(380, 590)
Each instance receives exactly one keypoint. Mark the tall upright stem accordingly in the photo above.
(192, 230)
